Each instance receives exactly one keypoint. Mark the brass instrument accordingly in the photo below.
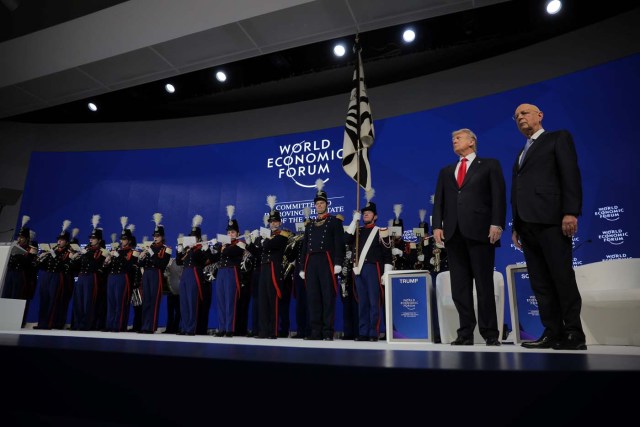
(291, 253)
(419, 265)
(436, 258)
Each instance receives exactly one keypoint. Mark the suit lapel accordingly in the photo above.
(471, 171)
(532, 149)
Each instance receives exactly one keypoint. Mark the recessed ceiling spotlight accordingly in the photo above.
(169, 88)
(221, 76)
(339, 50)
(408, 36)
(554, 7)
(92, 106)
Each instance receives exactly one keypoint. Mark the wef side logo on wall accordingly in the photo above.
(305, 161)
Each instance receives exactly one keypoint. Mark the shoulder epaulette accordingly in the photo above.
(286, 233)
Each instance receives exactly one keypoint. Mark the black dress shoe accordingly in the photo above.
(219, 334)
(493, 342)
(327, 339)
(229, 334)
(462, 341)
(312, 338)
(572, 341)
(362, 338)
(273, 337)
(373, 339)
(545, 341)
(181, 333)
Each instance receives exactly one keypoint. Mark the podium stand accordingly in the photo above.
(523, 306)
(408, 306)
(11, 310)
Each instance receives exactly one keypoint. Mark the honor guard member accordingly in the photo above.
(247, 266)
(254, 246)
(121, 266)
(153, 260)
(299, 290)
(20, 262)
(228, 278)
(88, 264)
(374, 259)
(271, 272)
(173, 274)
(18, 281)
(69, 284)
(32, 275)
(54, 265)
(193, 258)
(322, 255)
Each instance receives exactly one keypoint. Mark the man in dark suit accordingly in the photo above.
(469, 215)
(546, 199)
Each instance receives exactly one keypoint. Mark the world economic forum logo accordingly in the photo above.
(610, 213)
(305, 161)
(614, 237)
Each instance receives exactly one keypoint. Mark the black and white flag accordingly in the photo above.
(350, 153)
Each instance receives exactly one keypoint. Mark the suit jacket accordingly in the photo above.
(474, 207)
(548, 185)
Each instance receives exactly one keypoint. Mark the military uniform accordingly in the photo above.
(54, 267)
(322, 250)
(121, 275)
(228, 282)
(88, 266)
(193, 260)
(374, 249)
(271, 278)
(154, 263)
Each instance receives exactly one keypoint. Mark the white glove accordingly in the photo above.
(301, 274)
(52, 252)
(337, 269)
(388, 268)
(396, 251)
(150, 251)
(213, 250)
(180, 248)
(255, 234)
(354, 223)
(420, 258)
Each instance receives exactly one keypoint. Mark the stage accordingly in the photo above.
(80, 378)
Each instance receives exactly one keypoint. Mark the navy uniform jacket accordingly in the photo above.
(159, 259)
(324, 234)
(379, 251)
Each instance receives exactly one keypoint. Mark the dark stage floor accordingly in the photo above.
(95, 378)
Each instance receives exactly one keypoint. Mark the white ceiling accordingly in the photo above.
(140, 41)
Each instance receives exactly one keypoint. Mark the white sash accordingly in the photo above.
(365, 250)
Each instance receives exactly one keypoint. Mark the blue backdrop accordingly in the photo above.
(596, 105)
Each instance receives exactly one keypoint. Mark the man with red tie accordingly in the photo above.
(468, 216)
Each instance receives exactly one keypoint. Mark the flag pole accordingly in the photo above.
(357, 49)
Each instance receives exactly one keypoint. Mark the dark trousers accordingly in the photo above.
(471, 260)
(549, 258)
(173, 313)
(321, 293)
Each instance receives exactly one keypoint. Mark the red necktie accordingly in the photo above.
(462, 171)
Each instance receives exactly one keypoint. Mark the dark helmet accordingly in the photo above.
(370, 207)
(274, 215)
(233, 225)
(96, 234)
